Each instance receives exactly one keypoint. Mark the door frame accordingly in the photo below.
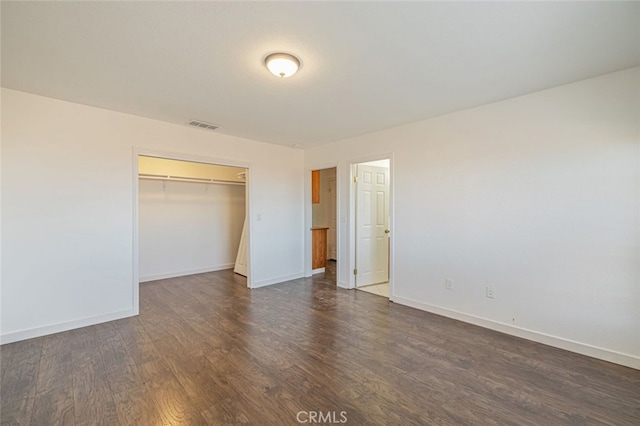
(136, 195)
(308, 222)
(352, 219)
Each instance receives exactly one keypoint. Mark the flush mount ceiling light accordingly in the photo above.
(282, 64)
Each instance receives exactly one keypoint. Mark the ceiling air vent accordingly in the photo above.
(202, 124)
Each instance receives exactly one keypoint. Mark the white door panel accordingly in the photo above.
(241, 257)
(372, 217)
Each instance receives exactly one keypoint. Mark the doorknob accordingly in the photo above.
(386, 231)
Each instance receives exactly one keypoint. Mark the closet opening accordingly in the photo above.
(191, 219)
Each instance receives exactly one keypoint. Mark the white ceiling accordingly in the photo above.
(366, 66)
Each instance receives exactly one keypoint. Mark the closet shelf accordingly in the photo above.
(187, 179)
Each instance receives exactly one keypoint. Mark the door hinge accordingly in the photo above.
(355, 179)
(355, 272)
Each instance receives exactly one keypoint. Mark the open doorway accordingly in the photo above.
(324, 251)
(372, 226)
(189, 217)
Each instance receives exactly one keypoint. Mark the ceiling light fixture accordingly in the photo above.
(282, 64)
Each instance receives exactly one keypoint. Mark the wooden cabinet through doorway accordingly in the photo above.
(318, 248)
(315, 186)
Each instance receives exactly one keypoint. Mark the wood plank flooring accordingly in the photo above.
(206, 350)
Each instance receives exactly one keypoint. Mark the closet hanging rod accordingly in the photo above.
(188, 179)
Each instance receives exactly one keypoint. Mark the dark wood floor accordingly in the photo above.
(206, 350)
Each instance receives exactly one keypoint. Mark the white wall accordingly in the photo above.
(187, 228)
(537, 196)
(67, 213)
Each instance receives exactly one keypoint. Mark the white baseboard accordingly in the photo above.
(156, 277)
(16, 336)
(547, 339)
(344, 284)
(317, 271)
(278, 280)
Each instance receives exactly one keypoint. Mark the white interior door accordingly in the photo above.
(372, 225)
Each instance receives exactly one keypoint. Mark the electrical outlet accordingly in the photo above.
(491, 292)
(448, 283)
